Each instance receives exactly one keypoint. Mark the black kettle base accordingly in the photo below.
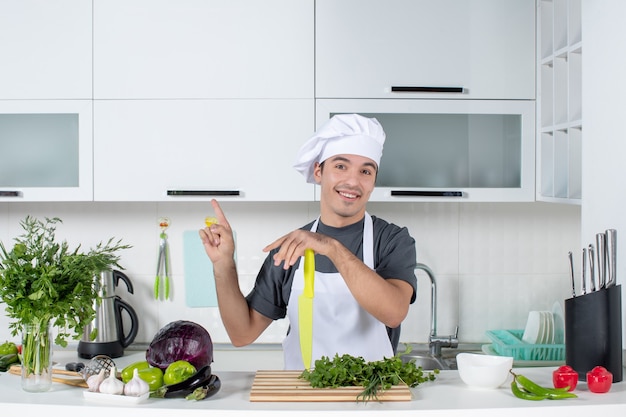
(88, 350)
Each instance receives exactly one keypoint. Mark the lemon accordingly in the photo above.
(209, 221)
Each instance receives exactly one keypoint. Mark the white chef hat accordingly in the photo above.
(342, 134)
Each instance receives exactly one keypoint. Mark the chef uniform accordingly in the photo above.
(340, 324)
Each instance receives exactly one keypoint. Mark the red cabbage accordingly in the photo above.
(181, 340)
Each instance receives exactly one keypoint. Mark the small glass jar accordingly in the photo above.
(36, 357)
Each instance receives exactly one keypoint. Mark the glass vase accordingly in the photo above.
(36, 357)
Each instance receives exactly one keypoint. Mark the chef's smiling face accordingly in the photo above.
(346, 184)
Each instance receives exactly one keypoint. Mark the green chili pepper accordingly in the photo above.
(538, 389)
(532, 391)
(525, 395)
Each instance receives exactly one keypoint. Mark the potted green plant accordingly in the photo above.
(45, 284)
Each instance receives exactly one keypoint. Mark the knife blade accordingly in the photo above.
(305, 309)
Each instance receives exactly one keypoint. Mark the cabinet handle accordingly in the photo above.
(399, 193)
(177, 193)
(10, 193)
(407, 89)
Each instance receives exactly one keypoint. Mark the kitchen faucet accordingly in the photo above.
(435, 342)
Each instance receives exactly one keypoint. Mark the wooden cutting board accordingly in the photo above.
(285, 386)
(64, 379)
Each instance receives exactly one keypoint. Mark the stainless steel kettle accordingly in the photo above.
(110, 338)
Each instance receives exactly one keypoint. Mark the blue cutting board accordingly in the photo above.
(199, 279)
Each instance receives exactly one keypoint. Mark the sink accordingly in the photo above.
(433, 356)
(427, 362)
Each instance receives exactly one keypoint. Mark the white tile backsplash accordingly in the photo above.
(493, 261)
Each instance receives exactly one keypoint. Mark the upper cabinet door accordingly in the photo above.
(365, 48)
(203, 49)
(46, 150)
(45, 49)
(453, 150)
(195, 150)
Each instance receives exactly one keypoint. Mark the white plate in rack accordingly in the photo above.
(543, 333)
(534, 328)
(550, 327)
(559, 323)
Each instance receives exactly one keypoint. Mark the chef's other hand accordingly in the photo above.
(292, 246)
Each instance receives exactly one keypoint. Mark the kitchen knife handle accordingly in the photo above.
(179, 193)
(601, 258)
(592, 269)
(584, 272)
(417, 89)
(309, 273)
(611, 256)
(571, 272)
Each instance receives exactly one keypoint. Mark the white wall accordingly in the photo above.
(604, 110)
(494, 261)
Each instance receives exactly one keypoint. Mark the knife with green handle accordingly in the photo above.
(305, 309)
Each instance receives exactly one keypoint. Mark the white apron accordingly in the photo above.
(340, 324)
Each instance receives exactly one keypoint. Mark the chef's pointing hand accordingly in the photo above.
(217, 239)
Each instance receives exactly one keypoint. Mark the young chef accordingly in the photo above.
(364, 266)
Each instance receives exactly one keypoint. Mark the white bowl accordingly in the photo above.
(483, 371)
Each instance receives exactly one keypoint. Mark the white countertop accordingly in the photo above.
(446, 396)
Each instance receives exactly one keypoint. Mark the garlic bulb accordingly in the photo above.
(112, 385)
(136, 387)
(94, 381)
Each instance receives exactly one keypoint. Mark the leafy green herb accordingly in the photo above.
(42, 281)
(375, 377)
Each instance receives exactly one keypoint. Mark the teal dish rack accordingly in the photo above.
(510, 343)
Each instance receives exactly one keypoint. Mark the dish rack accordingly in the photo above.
(510, 343)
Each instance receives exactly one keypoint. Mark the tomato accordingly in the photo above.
(8, 348)
(565, 376)
(178, 371)
(599, 380)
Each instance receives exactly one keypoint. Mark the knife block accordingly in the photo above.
(593, 332)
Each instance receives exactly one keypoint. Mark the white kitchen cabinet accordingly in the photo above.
(45, 49)
(194, 150)
(559, 101)
(46, 150)
(368, 48)
(449, 150)
(203, 49)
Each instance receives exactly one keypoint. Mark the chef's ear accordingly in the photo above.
(317, 172)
